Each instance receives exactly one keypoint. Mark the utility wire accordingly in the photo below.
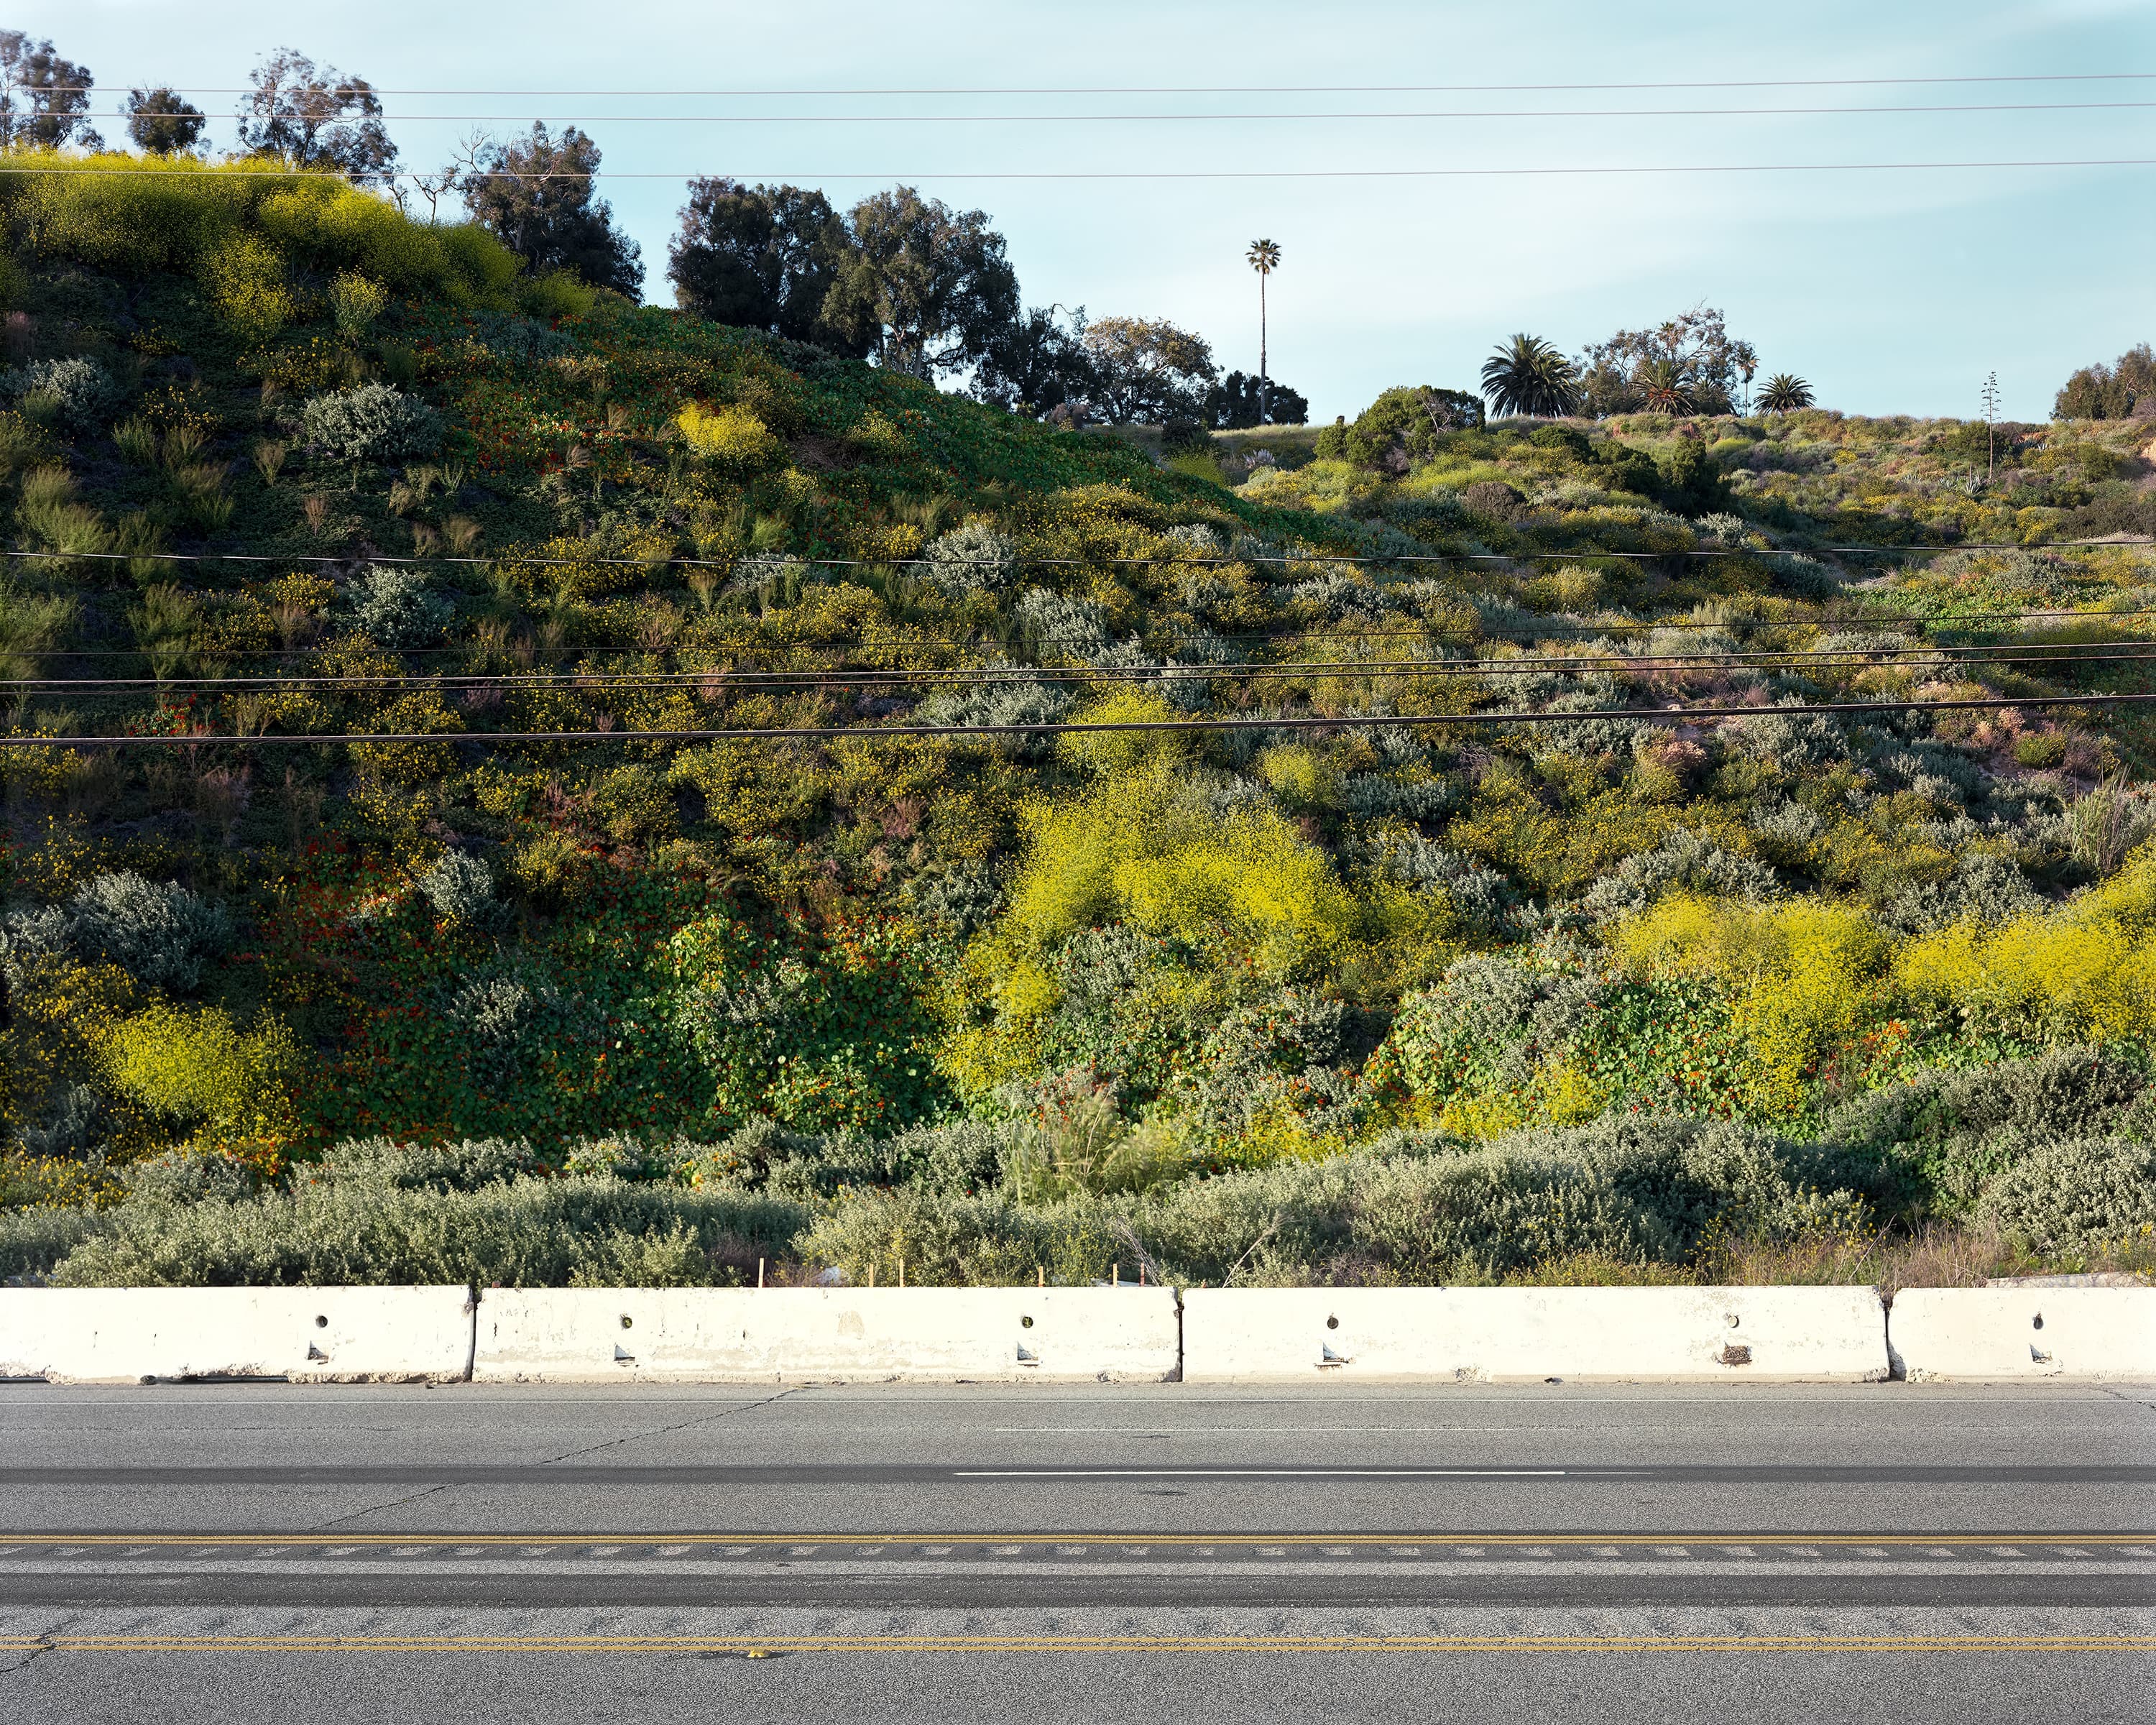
(1038, 118)
(1559, 629)
(1207, 88)
(2073, 655)
(879, 733)
(517, 560)
(916, 176)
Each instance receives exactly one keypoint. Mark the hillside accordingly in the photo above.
(1590, 982)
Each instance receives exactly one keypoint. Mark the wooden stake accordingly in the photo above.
(759, 1272)
(871, 1276)
(901, 1272)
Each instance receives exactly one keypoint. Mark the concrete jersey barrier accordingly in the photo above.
(773, 1335)
(1449, 1335)
(2025, 1332)
(126, 1335)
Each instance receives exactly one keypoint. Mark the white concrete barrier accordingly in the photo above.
(782, 1335)
(125, 1335)
(2025, 1332)
(1477, 1335)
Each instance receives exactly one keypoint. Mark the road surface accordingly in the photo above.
(299, 1553)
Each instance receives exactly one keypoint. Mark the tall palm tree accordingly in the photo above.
(1785, 394)
(1264, 256)
(1527, 375)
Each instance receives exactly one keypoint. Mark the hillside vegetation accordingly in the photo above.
(1314, 993)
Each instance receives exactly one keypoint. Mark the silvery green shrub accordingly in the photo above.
(376, 422)
(1683, 861)
(1987, 890)
(27, 935)
(1029, 701)
(83, 391)
(974, 558)
(397, 607)
(962, 897)
(384, 1164)
(512, 1018)
(180, 1177)
(158, 932)
(72, 1124)
(2075, 1194)
(461, 890)
(1061, 624)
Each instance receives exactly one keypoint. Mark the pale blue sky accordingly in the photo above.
(1892, 292)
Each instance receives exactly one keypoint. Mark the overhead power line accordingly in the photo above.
(915, 175)
(875, 733)
(1216, 88)
(518, 560)
(1920, 657)
(1035, 117)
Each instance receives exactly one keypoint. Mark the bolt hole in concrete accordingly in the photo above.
(1332, 1323)
(626, 1322)
(322, 1322)
(1025, 1323)
(2039, 1320)
(1733, 1320)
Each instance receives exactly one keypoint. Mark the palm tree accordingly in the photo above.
(1264, 256)
(1785, 394)
(1665, 386)
(1527, 375)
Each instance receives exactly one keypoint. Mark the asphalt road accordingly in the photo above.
(297, 1554)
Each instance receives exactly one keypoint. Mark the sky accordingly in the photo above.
(1891, 291)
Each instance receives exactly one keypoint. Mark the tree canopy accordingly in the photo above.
(1686, 364)
(1241, 400)
(925, 289)
(307, 117)
(1147, 370)
(2126, 390)
(162, 122)
(761, 257)
(44, 100)
(535, 194)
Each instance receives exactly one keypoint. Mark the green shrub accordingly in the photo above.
(397, 607)
(32, 1241)
(187, 1175)
(582, 1232)
(81, 393)
(160, 934)
(372, 422)
(2073, 1195)
(514, 1017)
(974, 558)
(459, 888)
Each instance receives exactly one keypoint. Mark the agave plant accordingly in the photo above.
(1527, 375)
(1785, 394)
(1665, 386)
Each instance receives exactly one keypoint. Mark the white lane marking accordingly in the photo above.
(1261, 1473)
(1260, 1430)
